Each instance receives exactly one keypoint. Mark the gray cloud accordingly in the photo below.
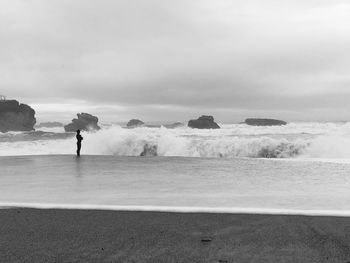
(133, 57)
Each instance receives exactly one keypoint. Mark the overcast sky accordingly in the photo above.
(175, 60)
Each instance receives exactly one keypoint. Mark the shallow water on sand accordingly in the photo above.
(195, 183)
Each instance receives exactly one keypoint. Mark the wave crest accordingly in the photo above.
(230, 142)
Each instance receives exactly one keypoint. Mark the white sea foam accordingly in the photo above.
(303, 140)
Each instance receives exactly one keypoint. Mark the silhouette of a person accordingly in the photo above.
(79, 139)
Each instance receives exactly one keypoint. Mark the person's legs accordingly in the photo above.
(78, 149)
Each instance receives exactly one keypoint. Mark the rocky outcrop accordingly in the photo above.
(16, 117)
(49, 125)
(264, 122)
(149, 150)
(85, 122)
(204, 122)
(174, 125)
(134, 123)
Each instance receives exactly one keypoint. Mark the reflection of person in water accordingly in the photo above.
(79, 139)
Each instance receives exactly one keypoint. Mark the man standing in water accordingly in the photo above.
(79, 139)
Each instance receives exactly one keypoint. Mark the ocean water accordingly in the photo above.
(301, 168)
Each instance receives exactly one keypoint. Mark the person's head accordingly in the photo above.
(78, 131)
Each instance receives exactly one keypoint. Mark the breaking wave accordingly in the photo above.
(294, 140)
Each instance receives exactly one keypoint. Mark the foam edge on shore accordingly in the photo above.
(180, 209)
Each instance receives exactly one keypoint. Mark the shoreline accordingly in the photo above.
(58, 235)
(179, 209)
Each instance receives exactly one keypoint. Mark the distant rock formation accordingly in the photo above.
(204, 122)
(174, 125)
(149, 150)
(264, 122)
(134, 123)
(49, 125)
(16, 117)
(85, 122)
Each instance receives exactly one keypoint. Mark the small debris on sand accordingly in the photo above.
(206, 240)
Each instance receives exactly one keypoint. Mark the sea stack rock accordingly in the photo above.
(85, 122)
(264, 122)
(204, 122)
(174, 125)
(15, 116)
(134, 123)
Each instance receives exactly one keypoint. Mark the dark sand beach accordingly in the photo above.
(34, 235)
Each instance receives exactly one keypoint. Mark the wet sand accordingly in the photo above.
(34, 235)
